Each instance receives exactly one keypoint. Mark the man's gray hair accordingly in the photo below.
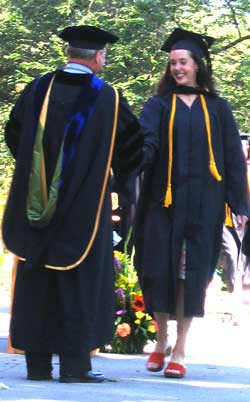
(76, 52)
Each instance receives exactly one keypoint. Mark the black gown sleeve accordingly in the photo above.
(237, 195)
(128, 153)
(13, 126)
(150, 121)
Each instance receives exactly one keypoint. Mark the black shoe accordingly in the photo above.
(89, 376)
(44, 377)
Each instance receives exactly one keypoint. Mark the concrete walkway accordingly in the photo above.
(218, 369)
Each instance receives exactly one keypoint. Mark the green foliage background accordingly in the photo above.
(29, 46)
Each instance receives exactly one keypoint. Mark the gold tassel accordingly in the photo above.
(214, 172)
(168, 195)
(212, 165)
(228, 219)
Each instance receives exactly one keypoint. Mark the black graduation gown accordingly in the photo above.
(197, 213)
(58, 310)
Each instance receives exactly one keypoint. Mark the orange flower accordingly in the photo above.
(138, 304)
(123, 330)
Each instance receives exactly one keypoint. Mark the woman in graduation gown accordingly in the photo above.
(66, 131)
(195, 169)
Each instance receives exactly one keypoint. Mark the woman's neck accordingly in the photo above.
(188, 99)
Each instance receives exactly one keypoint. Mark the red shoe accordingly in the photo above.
(158, 359)
(174, 370)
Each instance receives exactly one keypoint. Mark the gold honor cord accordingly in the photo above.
(99, 209)
(168, 197)
(212, 165)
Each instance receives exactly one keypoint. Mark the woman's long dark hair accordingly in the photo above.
(204, 78)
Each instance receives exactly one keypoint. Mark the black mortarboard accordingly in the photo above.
(87, 37)
(188, 40)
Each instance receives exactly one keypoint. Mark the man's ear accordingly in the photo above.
(97, 57)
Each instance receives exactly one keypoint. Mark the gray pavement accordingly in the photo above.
(218, 369)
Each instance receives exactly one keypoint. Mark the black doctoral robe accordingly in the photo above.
(64, 292)
(198, 209)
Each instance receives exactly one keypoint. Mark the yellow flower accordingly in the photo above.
(137, 322)
(148, 317)
(139, 314)
(151, 328)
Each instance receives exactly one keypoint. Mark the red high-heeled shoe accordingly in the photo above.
(158, 358)
(174, 370)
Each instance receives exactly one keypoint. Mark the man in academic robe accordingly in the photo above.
(67, 131)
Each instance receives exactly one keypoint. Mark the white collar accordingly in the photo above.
(76, 68)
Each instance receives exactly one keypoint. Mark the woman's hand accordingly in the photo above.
(241, 221)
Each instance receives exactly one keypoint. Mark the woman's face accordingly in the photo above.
(183, 68)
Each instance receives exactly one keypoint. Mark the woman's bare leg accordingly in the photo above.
(183, 326)
(162, 333)
(162, 336)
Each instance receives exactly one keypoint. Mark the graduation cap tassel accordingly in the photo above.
(212, 165)
(168, 195)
